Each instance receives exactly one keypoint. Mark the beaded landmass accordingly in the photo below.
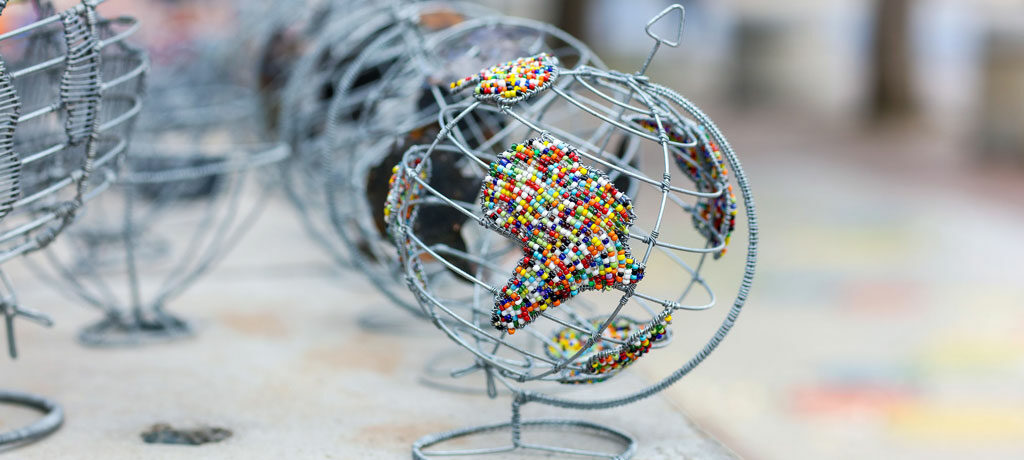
(512, 81)
(601, 359)
(715, 218)
(573, 224)
(401, 190)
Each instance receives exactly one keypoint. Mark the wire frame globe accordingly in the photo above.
(402, 110)
(330, 92)
(566, 277)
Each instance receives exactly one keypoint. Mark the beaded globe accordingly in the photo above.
(576, 265)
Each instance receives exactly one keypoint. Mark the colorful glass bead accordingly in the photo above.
(573, 224)
(512, 81)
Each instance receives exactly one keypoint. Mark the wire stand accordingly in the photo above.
(144, 325)
(517, 426)
(52, 419)
(664, 275)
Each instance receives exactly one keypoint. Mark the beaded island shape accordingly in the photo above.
(512, 81)
(401, 191)
(573, 224)
(602, 360)
(704, 165)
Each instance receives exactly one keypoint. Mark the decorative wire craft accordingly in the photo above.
(181, 205)
(550, 215)
(400, 110)
(352, 54)
(70, 87)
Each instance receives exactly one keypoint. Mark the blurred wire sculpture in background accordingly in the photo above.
(184, 200)
(329, 85)
(182, 203)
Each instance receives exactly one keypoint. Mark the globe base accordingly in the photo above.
(568, 431)
(51, 421)
(117, 331)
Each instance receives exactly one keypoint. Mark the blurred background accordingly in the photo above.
(885, 143)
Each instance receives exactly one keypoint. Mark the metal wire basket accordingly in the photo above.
(70, 87)
(597, 271)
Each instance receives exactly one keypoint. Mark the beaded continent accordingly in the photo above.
(512, 81)
(402, 190)
(573, 224)
(703, 163)
(601, 358)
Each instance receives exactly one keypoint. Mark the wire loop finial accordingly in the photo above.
(658, 41)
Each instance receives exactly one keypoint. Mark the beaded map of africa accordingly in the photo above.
(573, 224)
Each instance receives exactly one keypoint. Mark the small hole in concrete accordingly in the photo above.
(162, 433)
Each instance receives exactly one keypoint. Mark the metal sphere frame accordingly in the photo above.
(664, 106)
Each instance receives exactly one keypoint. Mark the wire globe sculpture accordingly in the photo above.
(402, 110)
(70, 88)
(184, 201)
(354, 53)
(568, 278)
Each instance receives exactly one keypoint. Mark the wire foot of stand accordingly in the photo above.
(48, 424)
(563, 427)
(566, 432)
(116, 331)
